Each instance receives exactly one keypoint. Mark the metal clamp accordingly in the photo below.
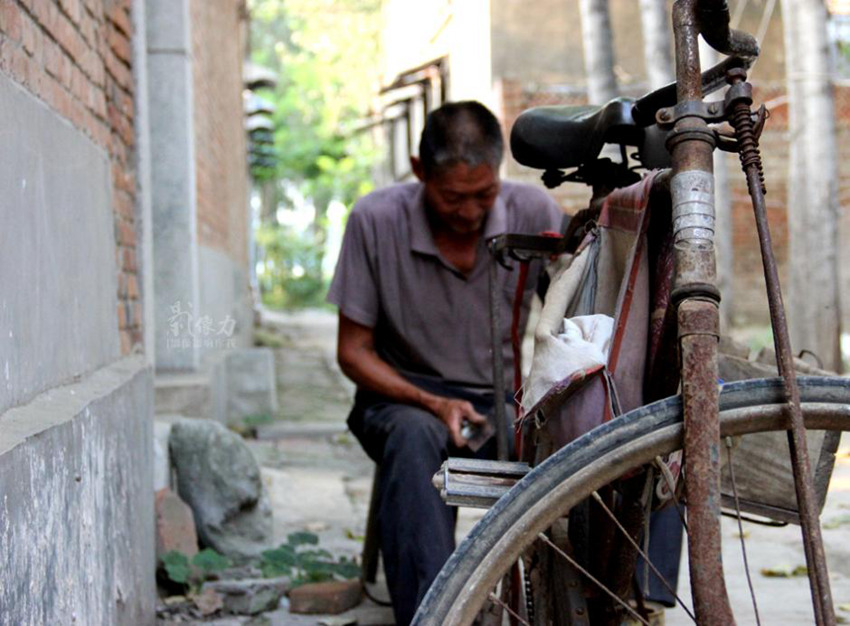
(708, 111)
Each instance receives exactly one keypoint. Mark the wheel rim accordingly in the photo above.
(615, 462)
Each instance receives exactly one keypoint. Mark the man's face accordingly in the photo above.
(459, 197)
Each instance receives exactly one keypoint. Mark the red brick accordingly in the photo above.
(126, 342)
(329, 598)
(29, 34)
(132, 287)
(138, 339)
(122, 204)
(10, 20)
(96, 101)
(121, 124)
(67, 36)
(122, 285)
(123, 179)
(175, 525)
(87, 27)
(72, 9)
(97, 130)
(118, 70)
(122, 316)
(136, 317)
(119, 16)
(120, 45)
(129, 265)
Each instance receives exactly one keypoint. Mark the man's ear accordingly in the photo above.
(418, 169)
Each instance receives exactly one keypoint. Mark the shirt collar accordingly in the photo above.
(421, 239)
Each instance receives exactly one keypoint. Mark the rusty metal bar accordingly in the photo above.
(803, 482)
(499, 413)
(692, 191)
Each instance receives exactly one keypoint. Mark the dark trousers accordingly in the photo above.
(416, 526)
(665, 550)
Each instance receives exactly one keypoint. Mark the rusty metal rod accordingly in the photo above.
(496, 340)
(692, 190)
(808, 509)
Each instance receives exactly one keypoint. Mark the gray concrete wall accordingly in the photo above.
(144, 215)
(174, 211)
(58, 316)
(224, 294)
(76, 524)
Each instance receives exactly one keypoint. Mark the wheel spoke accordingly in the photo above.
(728, 442)
(643, 554)
(497, 600)
(592, 579)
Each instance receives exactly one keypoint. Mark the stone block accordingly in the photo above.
(183, 394)
(218, 476)
(244, 384)
(161, 457)
(249, 596)
(329, 598)
(57, 263)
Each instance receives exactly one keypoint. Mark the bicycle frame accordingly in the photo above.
(692, 189)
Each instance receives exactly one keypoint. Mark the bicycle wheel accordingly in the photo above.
(598, 458)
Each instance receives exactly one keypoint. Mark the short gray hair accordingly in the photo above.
(460, 132)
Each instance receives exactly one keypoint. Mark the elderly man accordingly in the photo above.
(412, 290)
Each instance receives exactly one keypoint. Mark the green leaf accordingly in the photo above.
(176, 566)
(347, 569)
(785, 571)
(302, 538)
(278, 562)
(209, 560)
(315, 555)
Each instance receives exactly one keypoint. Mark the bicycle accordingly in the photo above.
(518, 562)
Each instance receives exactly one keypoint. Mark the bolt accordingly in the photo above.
(736, 75)
(664, 115)
(712, 108)
(579, 611)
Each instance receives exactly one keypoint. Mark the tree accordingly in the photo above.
(657, 42)
(814, 304)
(324, 54)
(597, 40)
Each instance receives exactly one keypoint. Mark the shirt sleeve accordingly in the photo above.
(353, 288)
(551, 214)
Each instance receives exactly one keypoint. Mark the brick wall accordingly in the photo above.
(748, 283)
(75, 56)
(220, 143)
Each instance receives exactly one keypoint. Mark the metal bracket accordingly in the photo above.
(711, 112)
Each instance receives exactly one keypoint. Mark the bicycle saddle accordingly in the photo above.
(560, 137)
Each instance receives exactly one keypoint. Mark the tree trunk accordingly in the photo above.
(657, 42)
(598, 40)
(814, 311)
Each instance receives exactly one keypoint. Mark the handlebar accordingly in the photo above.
(713, 18)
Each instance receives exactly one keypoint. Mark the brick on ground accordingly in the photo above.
(328, 598)
(175, 525)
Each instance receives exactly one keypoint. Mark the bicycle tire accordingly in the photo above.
(596, 459)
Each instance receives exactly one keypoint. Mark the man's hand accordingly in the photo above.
(359, 361)
(452, 413)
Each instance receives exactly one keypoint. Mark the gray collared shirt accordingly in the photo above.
(430, 319)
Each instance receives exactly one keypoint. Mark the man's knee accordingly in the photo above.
(417, 432)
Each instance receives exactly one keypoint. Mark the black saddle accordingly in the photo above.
(561, 137)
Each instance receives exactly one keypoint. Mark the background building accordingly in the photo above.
(124, 260)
